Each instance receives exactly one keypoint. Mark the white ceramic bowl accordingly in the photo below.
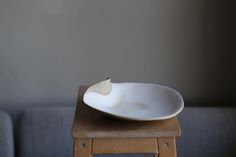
(134, 101)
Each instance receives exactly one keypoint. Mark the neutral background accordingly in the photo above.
(50, 47)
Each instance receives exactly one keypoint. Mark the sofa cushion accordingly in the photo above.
(6, 136)
(45, 132)
(207, 132)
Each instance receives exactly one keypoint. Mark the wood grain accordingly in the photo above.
(89, 123)
(167, 147)
(82, 147)
(124, 145)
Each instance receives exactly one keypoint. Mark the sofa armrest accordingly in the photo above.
(6, 135)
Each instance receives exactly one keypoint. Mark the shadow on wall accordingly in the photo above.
(219, 54)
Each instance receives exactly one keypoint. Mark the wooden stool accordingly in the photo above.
(95, 133)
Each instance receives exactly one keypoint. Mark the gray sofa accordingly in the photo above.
(6, 136)
(46, 132)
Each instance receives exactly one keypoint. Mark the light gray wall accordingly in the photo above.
(50, 47)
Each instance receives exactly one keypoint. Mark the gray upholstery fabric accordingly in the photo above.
(45, 132)
(207, 132)
(6, 136)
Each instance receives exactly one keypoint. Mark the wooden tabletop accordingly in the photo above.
(89, 123)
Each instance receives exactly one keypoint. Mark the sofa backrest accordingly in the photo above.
(206, 132)
(45, 132)
(6, 136)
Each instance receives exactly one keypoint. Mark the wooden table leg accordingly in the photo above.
(167, 147)
(82, 147)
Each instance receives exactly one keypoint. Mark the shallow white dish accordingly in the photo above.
(134, 101)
